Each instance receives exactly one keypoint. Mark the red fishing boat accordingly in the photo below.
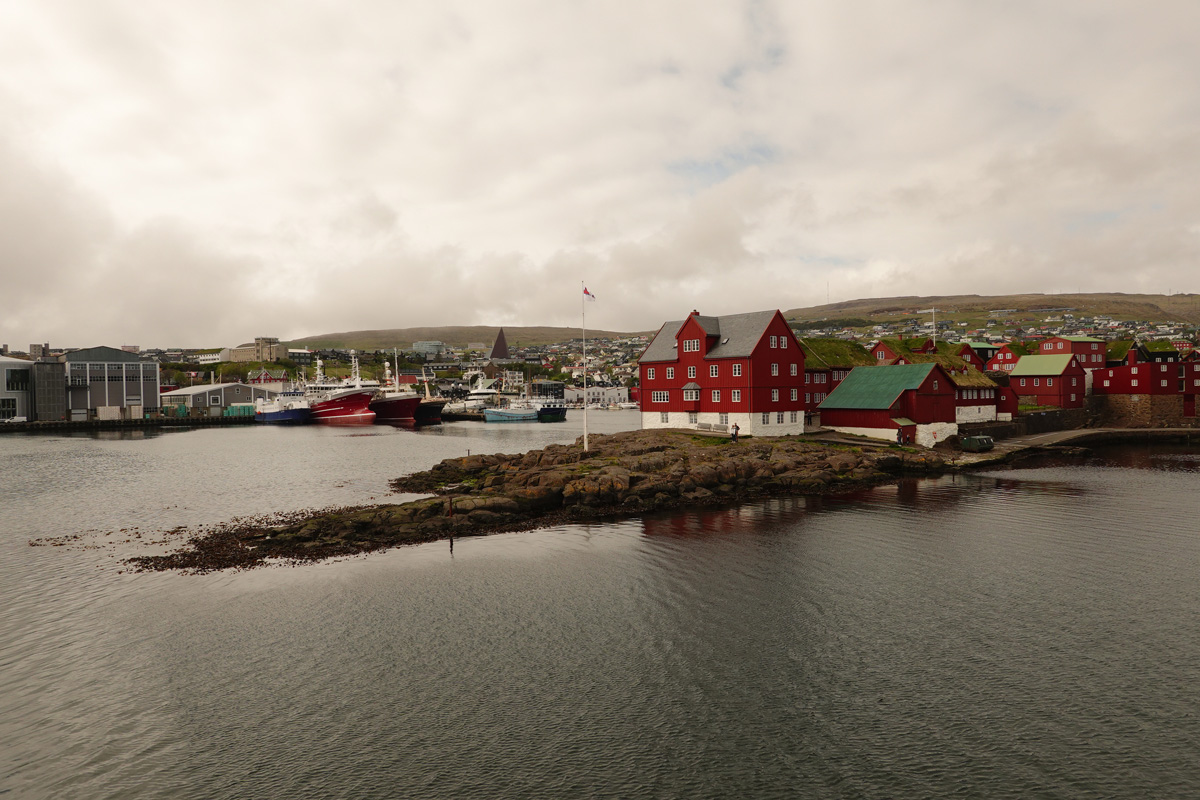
(391, 403)
(343, 402)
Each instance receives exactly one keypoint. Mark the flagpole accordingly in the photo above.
(583, 329)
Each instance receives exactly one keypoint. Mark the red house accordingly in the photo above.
(1050, 380)
(710, 373)
(1006, 357)
(827, 362)
(916, 400)
(1091, 353)
(887, 351)
(1168, 377)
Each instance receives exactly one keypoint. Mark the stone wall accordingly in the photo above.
(1143, 411)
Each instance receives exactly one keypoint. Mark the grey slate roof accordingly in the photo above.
(737, 334)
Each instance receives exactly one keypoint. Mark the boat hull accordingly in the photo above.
(395, 409)
(510, 415)
(344, 408)
(429, 411)
(552, 414)
(284, 416)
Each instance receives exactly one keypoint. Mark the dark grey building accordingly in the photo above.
(109, 383)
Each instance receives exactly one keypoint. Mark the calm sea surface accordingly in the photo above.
(1033, 633)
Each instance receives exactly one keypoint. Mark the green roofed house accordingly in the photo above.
(914, 401)
(1006, 357)
(1049, 380)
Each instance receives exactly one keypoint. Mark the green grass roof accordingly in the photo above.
(828, 353)
(1159, 346)
(1119, 349)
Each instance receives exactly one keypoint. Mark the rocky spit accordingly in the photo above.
(622, 474)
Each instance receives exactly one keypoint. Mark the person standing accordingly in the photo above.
(734, 432)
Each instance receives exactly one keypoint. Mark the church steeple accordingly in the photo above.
(500, 348)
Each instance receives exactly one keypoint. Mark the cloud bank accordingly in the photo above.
(199, 174)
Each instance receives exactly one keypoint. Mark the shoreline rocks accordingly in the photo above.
(622, 474)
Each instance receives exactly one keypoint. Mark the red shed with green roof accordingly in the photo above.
(915, 399)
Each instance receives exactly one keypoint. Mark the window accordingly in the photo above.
(1060, 345)
(1095, 346)
(1074, 381)
(879, 355)
(1106, 383)
(1163, 383)
(795, 416)
(737, 370)
(716, 395)
(1049, 381)
(8, 407)
(935, 387)
(16, 380)
(690, 395)
(691, 372)
(766, 418)
(691, 345)
(1072, 398)
(793, 370)
(650, 374)
(774, 395)
(774, 341)
(795, 395)
(663, 416)
(693, 417)
(658, 397)
(774, 369)
(779, 418)
(712, 370)
(723, 418)
(1133, 382)
(1022, 381)
(735, 395)
(783, 343)
(1036, 381)
(670, 373)
(808, 377)
(807, 399)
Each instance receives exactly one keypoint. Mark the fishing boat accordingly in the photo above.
(392, 404)
(343, 402)
(288, 408)
(549, 399)
(510, 414)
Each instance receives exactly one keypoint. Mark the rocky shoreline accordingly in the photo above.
(620, 475)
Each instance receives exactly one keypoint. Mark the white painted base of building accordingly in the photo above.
(748, 424)
(927, 435)
(984, 413)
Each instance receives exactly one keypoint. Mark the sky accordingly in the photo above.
(196, 174)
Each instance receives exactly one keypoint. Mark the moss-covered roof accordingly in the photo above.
(1159, 346)
(1078, 338)
(1018, 348)
(1119, 349)
(830, 353)
(876, 387)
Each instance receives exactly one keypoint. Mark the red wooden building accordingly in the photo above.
(1049, 380)
(1006, 357)
(915, 399)
(710, 373)
(1167, 377)
(827, 362)
(1090, 352)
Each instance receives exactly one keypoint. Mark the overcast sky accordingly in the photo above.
(200, 173)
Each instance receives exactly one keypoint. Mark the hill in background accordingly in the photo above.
(1155, 308)
(456, 336)
(1149, 307)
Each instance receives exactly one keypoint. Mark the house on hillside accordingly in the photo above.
(827, 362)
(977, 354)
(1090, 352)
(891, 350)
(915, 399)
(712, 372)
(1006, 357)
(1049, 380)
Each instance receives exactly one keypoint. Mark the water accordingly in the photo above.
(1017, 634)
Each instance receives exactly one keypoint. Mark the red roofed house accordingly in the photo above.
(709, 373)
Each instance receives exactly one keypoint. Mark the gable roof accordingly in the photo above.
(1017, 348)
(877, 387)
(1119, 349)
(829, 353)
(737, 335)
(1041, 365)
(1160, 346)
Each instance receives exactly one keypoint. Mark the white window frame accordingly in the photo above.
(774, 395)
(716, 395)
(774, 369)
(794, 368)
(713, 371)
(795, 395)
(670, 373)
(692, 372)
(735, 395)
(650, 373)
(737, 370)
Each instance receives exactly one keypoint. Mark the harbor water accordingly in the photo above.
(1023, 633)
